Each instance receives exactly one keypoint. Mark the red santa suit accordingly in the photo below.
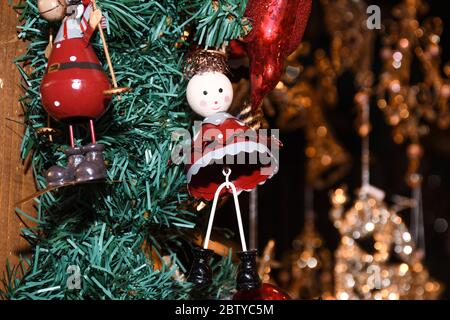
(73, 87)
(223, 141)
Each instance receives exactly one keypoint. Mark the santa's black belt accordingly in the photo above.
(71, 65)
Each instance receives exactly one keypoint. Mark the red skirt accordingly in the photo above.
(230, 144)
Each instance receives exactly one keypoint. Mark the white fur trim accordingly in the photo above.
(231, 149)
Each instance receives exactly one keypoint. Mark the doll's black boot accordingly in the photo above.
(58, 175)
(201, 273)
(93, 166)
(247, 277)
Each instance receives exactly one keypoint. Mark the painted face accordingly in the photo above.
(209, 93)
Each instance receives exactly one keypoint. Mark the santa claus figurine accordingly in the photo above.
(74, 89)
(222, 141)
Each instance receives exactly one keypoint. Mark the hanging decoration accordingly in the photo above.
(277, 29)
(308, 270)
(411, 104)
(267, 263)
(351, 43)
(327, 160)
(412, 99)
(373, 237)
(406, 103)
(300, 103)
(74, 88)
(222, 141)
(265, 292)
(216, 152)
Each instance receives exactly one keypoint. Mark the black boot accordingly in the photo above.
(201, 273)
(57, 175)
(247, 277)
(93, 166)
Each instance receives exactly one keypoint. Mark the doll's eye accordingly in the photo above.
(205, 92)
(220, 90)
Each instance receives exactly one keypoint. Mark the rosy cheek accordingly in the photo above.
(227, 99)
(203, 103)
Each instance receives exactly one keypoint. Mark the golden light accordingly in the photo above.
(403, 269)
(404, 43)
(406, 236)
(407, 249)
(310, 152)
(393, 296)
(370, 226)
(343, 296)
(339, 197)
(321, 131)
(326, 160)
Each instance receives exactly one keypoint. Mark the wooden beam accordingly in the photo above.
(15, 182)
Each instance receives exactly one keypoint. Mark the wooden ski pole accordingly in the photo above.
(105, 48)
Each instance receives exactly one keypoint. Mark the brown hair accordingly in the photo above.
(201, 61)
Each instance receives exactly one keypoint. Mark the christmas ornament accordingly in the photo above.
(308, 270)
(328, 161)
(412, 92)
(222, 141)
(300, 99)
(266, 291)
(351, 41)
(277, 29)
(221, 137)
(372, 235)
(267, 263)
(75, 89)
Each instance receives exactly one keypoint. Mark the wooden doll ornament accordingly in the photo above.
(222, 140)
(75, 89)
(224, 148)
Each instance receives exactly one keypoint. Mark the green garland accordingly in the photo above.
(101, 228)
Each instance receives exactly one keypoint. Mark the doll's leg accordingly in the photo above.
(92, 130)
(72, 139)
(93, 168)
(58, 175)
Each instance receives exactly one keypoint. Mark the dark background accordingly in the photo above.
(281, 205)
